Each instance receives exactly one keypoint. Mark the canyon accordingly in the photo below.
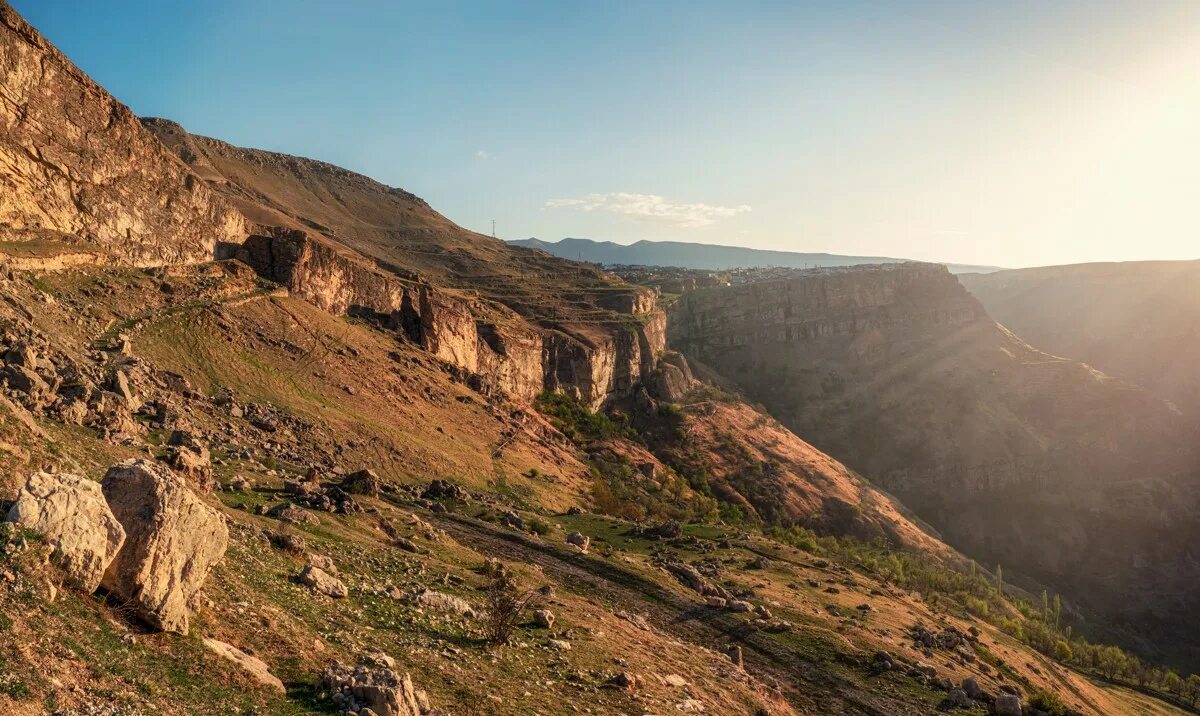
(1043, 464)
(1136, 320)
(343, 435)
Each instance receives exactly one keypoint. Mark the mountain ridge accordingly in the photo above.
(711, 257)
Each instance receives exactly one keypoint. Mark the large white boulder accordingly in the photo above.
(173, 540)
(70, 513)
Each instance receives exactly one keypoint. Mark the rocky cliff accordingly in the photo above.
(1138, 320)
(77, 167)
(1018, 457)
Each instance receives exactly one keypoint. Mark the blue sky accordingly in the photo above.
(1015, 133)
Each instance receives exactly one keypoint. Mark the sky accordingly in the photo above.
(1014, 133)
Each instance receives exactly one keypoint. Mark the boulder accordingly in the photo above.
(72, 516)
(173, 540)
(118, 384)
(189, 456)
(543, 619)
(442, 602)
(322, 582)
(363, 482)
(383, 691)
(252, 665)
(288, 512)
(1007, 705)
(959, 699)
(22, 354)
(579, 540)
(971, 687)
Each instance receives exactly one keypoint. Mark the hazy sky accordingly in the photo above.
(1012, 133)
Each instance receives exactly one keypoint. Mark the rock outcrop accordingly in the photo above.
(76, 166)
(70, 513)
(1017, 457)
(173, 540)
(383, 691)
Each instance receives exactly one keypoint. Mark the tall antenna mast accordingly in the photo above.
(493, 228)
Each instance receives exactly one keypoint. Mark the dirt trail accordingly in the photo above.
(811, 687)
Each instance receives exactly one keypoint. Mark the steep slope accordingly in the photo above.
(708, 257)
(1020, 458)
(78, 172)
(1139, 321)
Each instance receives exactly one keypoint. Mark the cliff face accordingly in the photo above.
(1138, 320)
(77, 167)
(1018, 457)
(593, 363)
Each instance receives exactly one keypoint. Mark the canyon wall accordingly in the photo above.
(1136, 320)
(1039, 463)
(77, 167)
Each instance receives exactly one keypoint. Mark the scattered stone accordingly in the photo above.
(289, 542)
(559, 644)
(442, 602)
(189, 456)
(734, 652)
(250, 664)
(323, 563)
(288, 512)
(322, 582)
(443, 490)
(625, 681)
(71, 514)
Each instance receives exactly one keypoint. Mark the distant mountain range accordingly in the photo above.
(705, 256)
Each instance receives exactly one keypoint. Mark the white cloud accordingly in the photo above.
(481, 154)
(650, 208)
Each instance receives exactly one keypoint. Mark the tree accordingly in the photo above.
(1112, 661)
(1062, 651)
(1171, 682)
(999, 580)
(1193, 689)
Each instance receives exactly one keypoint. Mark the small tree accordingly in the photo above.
(505, 607)
(1193, 689)
(1062, 651)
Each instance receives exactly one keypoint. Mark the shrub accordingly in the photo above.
(1049, 702)
(538, 526)
(505, 607)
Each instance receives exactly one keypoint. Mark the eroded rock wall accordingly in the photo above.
(1018, 457)
(77, 165)
(592, 362)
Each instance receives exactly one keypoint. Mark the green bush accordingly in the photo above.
(1049, 702)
